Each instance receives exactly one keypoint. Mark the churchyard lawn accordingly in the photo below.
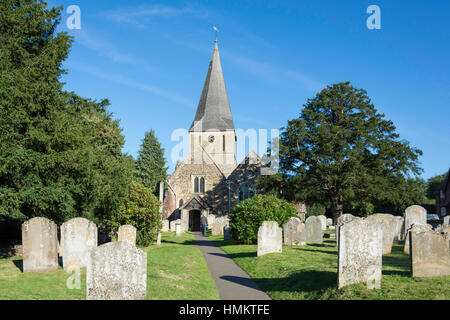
(310, 272)
(175, 271)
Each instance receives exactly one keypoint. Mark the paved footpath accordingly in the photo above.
(231, 281)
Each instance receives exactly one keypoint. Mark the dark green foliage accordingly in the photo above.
(141, 210)
(315, 209)
(434, 185)
(247, 216)
(150, 165)
(343, 152)
(60, 155)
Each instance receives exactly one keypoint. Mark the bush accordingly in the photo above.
(248, 216)
(315, 209)
(141, 210)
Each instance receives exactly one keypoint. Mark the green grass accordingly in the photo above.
(175, 271)
(310, 273)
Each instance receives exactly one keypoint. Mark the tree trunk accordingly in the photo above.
(337, 208)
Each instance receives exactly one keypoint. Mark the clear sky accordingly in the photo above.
(150, 60)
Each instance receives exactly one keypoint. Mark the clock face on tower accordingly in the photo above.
(211, 139)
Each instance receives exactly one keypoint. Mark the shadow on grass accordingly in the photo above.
(311, 250)
(250, 254)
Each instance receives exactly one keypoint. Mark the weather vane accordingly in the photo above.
(217, 31)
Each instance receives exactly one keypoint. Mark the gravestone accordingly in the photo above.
(294, 232)
(269, 238)
(413, 215)
(127, 233)
(165, 226)
(329, 222)
(417, 228)
(217, 228)
(430, 254)
(39, 245)
(314, 231)
(158, 239)
(388, 225)
(323, 219)
(447, 220)
(116, 271)
(78, 235)
(346, 217)
(178, 229)
(227, 233)
(399, 224)
(172, 225)
(359, 253)
(211, 219)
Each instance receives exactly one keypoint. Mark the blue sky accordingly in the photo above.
(150, 60)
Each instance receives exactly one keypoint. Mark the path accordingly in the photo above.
(231, 281)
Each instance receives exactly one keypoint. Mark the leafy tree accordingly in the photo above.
(60, 155)
(150, 165)
(434, 185)
(141, 210)
(344, 152)
(247, 216)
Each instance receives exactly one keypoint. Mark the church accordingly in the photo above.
(209, 181)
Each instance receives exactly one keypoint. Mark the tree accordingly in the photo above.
(60, 154)
(150, 165)
(141, 210)
(342, 151)
(434, 184)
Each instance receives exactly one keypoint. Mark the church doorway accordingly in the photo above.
(194, 220)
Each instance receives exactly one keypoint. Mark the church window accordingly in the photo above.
(246, 190)
(202, 185)
(196, 185)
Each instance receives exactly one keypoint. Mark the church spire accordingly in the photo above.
(213, 111)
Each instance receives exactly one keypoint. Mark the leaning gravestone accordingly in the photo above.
(217, 228)
(39, 245)
(294, 232)
(116, 271)
(269, 238)
(430, 254)
(388, 225)
(323, 219)
(416, 228)
(314, 231)
(77, 237)
(359, 253)
(127, 233)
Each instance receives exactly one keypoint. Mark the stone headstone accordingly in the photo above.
(127, 233)
(399, 224)
(227, 233)
(329, 222)
(413, 215)
(116, 271)
(323, 219)
(416, 228)
(388, 225)
(359, 253)
(158, 239)
(294, 232)
(211, 219)
(39, 245)
(165, 226)
(78, 235)
(430, 254)
(269, 238)
(447, 220)
(346, 217)
(178, 229)
(172, 225)
(314, 231)
(217, 228)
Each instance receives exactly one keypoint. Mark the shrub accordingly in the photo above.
(248, 216)
(315, 209)
(141, 210)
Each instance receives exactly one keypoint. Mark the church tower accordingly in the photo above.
(212, 129)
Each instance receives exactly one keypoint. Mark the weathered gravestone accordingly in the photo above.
(359, 253)
(430, 254)
(269, 238)
(417, 228)
(165, 226)
(77, 237)
(413, 215)
(294, 232)
(116, 271)
(127, 233)
(314, 231)
(227, 233)
(158, 239)
(329, 222)
(39, 245)
(178, 229)
(217, 228)
(172, 225)
(323, 219)
(388, 225)
(346, 217)
(399, 225)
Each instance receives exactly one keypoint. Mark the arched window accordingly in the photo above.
(246, 190)
(196, 185)
(202, 185)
